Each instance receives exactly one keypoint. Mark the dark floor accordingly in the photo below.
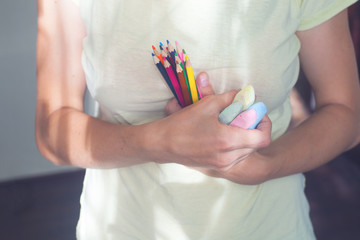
(43, 208)
(47, 208)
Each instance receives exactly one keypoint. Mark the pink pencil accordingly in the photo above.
(200, 95)
(179, 51)
(174, 81)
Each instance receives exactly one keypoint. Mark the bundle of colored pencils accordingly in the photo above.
(176, 69)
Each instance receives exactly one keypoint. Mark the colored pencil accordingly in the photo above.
(164, 54)
(184, 56)
(167, 56)
(174, 82)
(158, 55)
(179, 51)
(171, 51)
(182, 81)
(184, 62)
(176, 68)
(178, 61)
(163, 72)
(191, 78)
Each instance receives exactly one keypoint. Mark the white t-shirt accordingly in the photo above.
(237, 43)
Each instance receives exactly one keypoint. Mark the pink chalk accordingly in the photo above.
(245, 119)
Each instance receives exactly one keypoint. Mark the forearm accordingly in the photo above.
(331, 130)
(327, 133)
(327, 58)
(70, 137)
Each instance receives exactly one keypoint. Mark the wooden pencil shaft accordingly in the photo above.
(166, 77)
(175, 83)
(158, 55)
(179, 50)
(164, 74)
(179, 62)
(175, 67)
(183, 85)
(192, 83)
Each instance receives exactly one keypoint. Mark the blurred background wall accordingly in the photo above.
(19, 157)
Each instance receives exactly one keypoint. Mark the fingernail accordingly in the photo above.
(203, 80)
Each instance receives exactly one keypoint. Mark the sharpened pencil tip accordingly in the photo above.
(152, 54)
(153, 47)
(167, 41)
(161, 44)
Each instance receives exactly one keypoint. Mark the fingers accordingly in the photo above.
(265, 125)
(253, 139)
(204, 86)
(264, 128)
(172, 107)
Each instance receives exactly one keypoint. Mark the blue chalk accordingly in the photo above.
(261, 110)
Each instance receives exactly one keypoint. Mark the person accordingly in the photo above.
(156, 171)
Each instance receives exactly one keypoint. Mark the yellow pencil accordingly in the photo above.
(191, 79)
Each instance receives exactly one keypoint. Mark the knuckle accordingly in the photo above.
(259, 140)
(265, 141)
(222, 162)
(168, 109)
(223, 142)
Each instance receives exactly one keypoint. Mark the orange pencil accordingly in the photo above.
(158, 55)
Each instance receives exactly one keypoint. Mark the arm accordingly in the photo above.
(66, 135)
(327, 57)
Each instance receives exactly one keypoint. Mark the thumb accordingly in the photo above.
(203, 84)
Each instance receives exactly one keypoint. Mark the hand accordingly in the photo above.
(253, 169)
(194, 137)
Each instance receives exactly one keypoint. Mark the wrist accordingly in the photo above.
(153, 142)
(255, 169)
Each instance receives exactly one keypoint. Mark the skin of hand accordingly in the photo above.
(67, 136)
(257, 171)
(196, 137)
(328, 60)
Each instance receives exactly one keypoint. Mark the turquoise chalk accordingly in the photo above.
(230, 112)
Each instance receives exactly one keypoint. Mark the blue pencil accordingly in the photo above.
(163, 72)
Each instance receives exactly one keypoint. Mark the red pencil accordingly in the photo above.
(174, 82)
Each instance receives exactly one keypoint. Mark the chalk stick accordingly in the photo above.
(246, 97)
(250, 118)
(230, 113)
